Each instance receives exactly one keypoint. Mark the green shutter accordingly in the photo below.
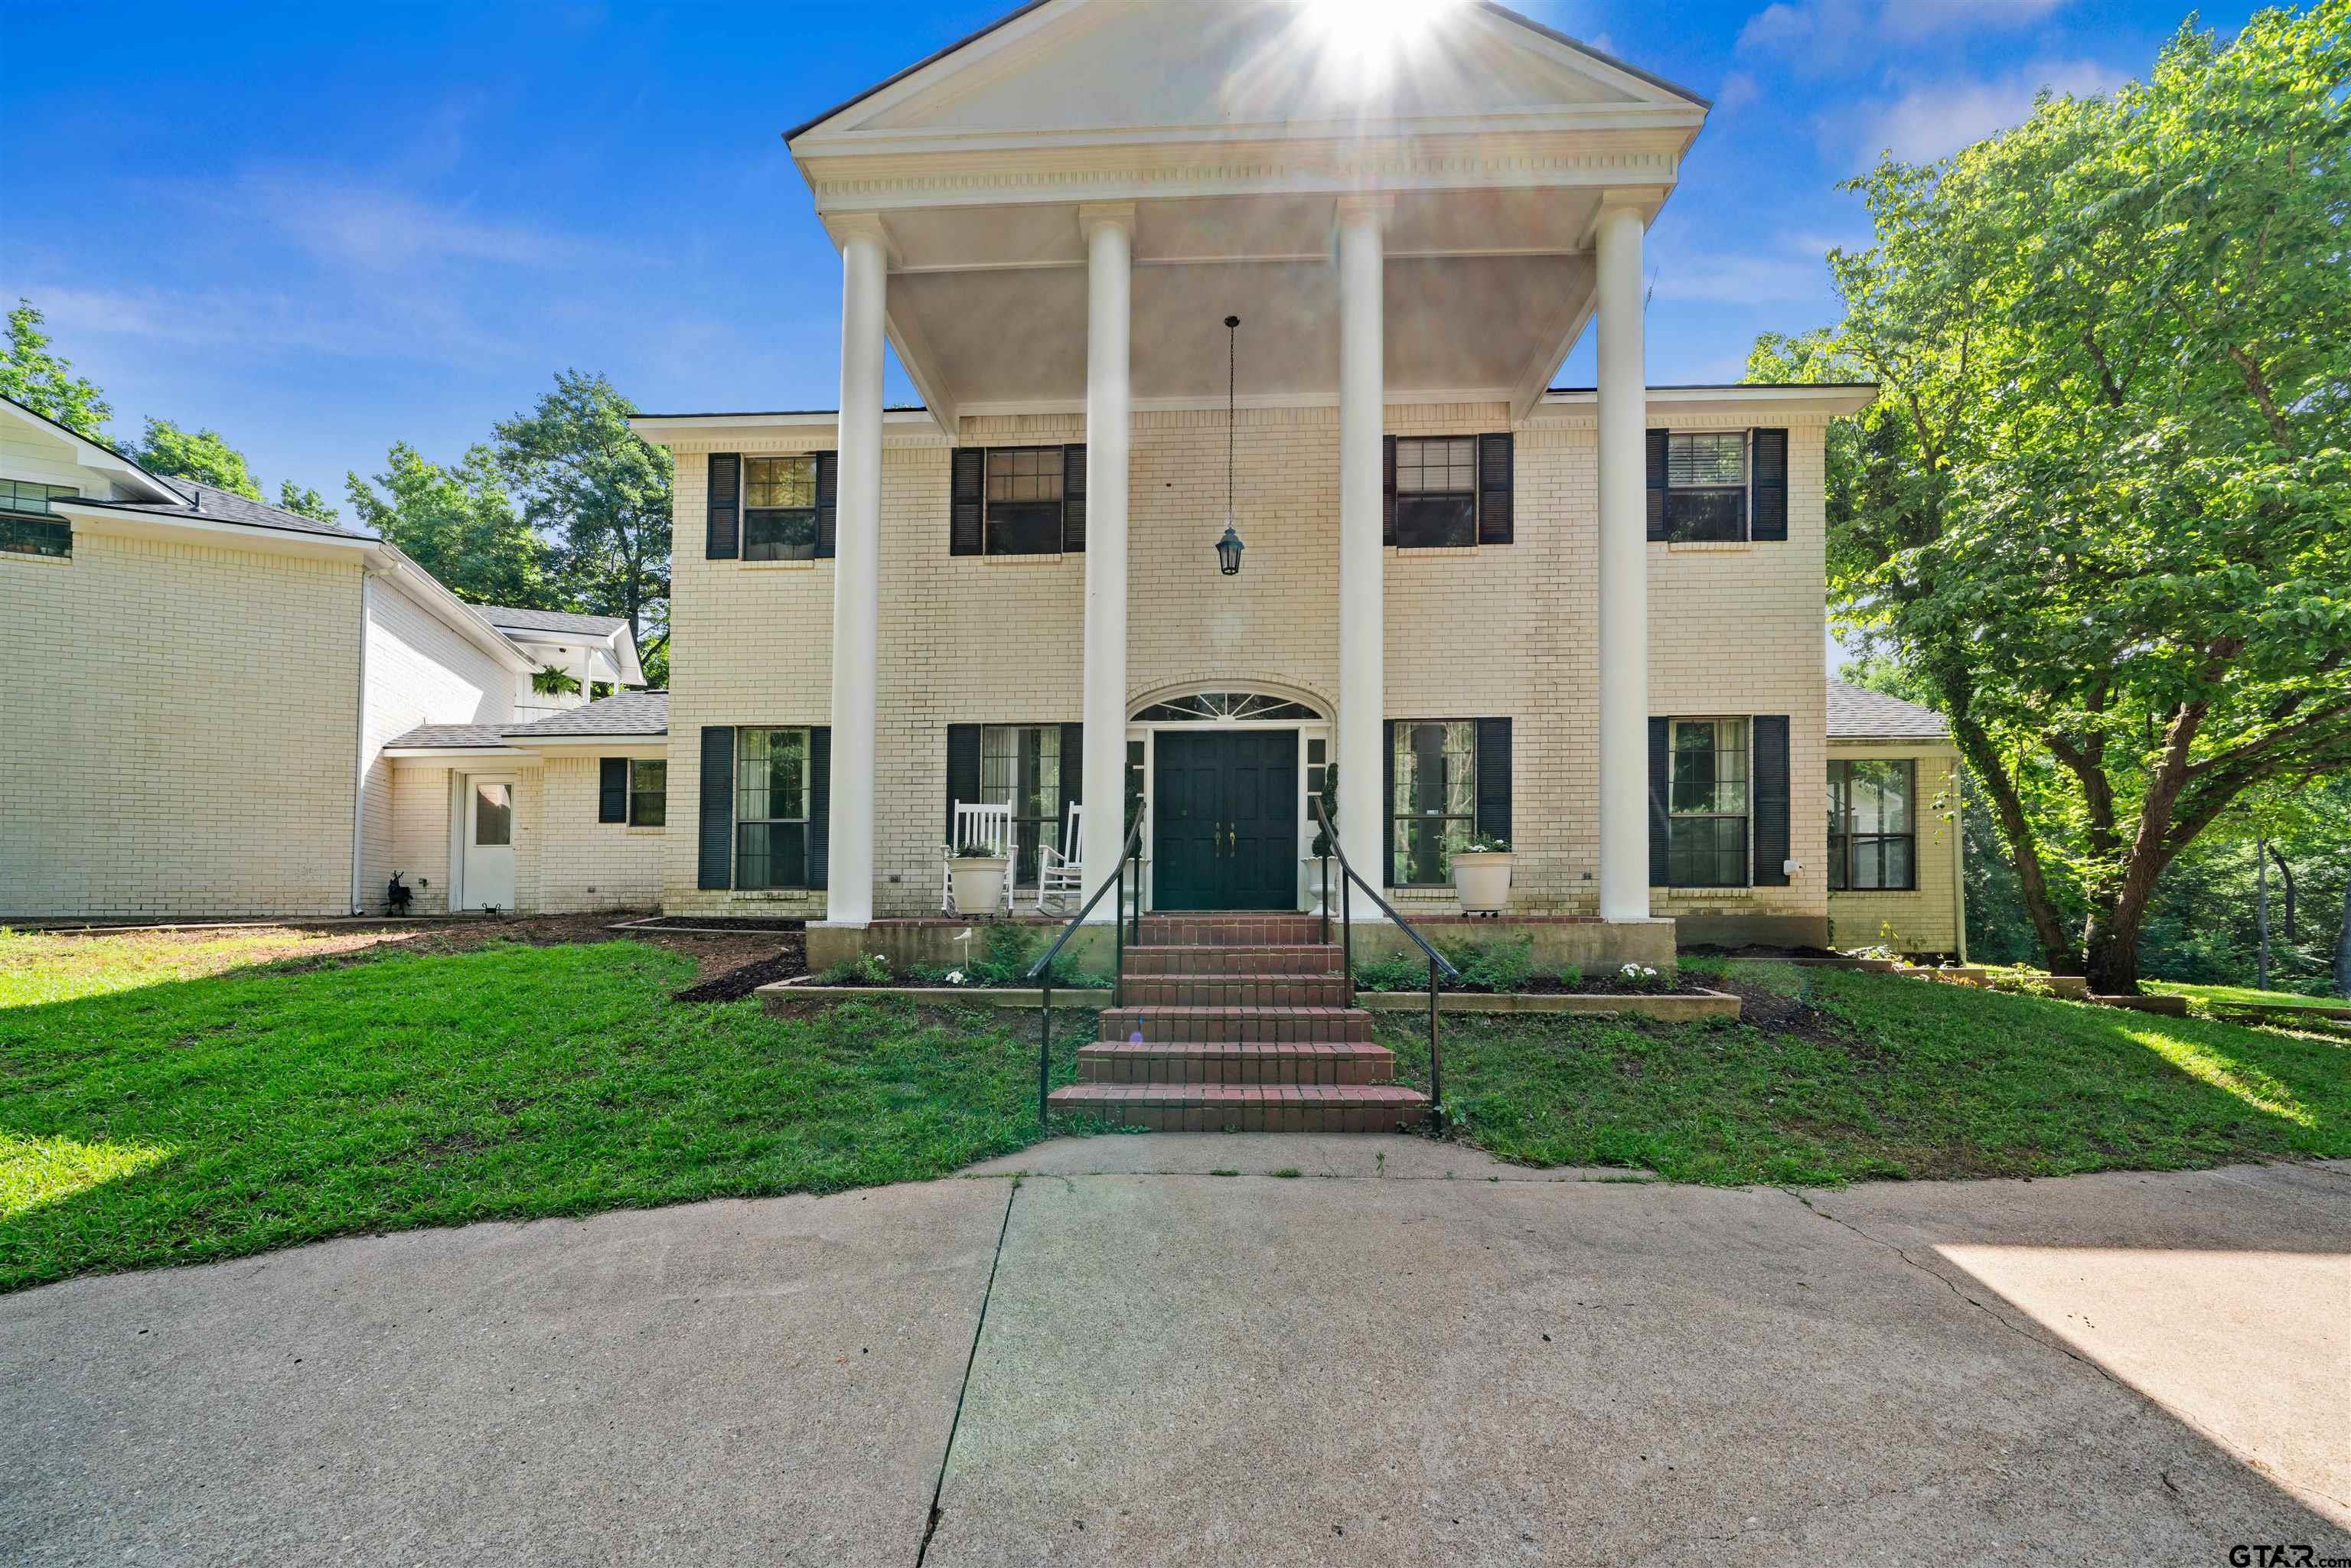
(722, 539)
(1658, 442)
(827, 495)
(1074, 498)
(1494, 777)
(1768, 493)
(1661, 783)
(613, 789)
(967, 486)
(717, 869)
(1768, 735)
(820, 833)
(1496, 461)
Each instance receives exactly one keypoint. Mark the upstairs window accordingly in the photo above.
(1706, 803)
(1435, 492)
(1718, 486)
(1017, 500)
(27, 525)
(780, 508)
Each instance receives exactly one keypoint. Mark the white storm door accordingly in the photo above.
(489, 870)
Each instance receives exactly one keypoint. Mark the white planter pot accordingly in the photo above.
(979, 884)
(1481, 881)
(1310, 883)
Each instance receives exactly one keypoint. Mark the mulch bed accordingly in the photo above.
(1763, 950)
(740, 982)
(717, 923)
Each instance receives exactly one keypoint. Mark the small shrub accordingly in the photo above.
(1392, 972)
(1493, 966)
(1571, 976)
(866, 969)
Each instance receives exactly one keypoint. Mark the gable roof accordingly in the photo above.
(210, 503)
(512, 618)
(938, 56)
(1857, 713)
(88, 450)
(627, 713)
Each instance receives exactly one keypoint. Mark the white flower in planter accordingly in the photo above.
(954, 977)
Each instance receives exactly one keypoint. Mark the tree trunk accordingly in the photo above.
(2285, 874)
(2056, 949)
(2262, 913)
(2342, 946)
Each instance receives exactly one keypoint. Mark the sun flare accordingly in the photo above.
(1368, 39)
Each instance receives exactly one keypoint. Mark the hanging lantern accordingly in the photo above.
(1229, 547)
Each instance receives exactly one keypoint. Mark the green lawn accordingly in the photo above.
(1883, 1076)
(2208, 995)
(153, 1111)
(154, 1120)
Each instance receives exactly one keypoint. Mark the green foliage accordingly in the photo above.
(1501, 965)
(2101, 509)
(1570, 975)
(304, 501)
(199, 455)
(865, 970)
(602, 495)
(460, 524)
(554, 682)
(1393, 972)
(44, 381)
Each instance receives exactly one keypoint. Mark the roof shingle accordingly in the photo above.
(1857, 713)
(513, 618)
(628, 714)
(214, 504)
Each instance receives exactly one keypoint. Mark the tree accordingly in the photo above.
(604, 496)
(200, 454)
(460, 524)
(308, 503)
(2103, 506)
(30, 374)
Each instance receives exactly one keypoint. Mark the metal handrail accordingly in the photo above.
(1437, 961)
(1040, 971)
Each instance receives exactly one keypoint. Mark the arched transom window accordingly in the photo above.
(1211, 707)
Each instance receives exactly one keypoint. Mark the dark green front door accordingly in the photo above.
(1225, 820)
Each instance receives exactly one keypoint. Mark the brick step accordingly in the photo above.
(1236, 990)
(1171, 1061)
(1247, 1108)
(1230, 930)
(1190, 959)
(1239, 1026)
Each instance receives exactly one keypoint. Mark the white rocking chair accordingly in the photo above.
(983, 826)
(1061, 873)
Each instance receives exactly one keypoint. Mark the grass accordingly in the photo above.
(148, 1118)
(2208, 995)
(1878, 1076)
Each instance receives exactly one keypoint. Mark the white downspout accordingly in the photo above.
(359, 749)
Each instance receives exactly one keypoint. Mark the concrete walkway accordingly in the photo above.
(1405, 1354)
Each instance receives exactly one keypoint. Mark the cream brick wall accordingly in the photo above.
(1925, 920)
(584, 864)
(1495, 632)
(179, 738)
(422, 809)
(419, 671)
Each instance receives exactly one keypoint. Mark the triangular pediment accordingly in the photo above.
(1114, 68)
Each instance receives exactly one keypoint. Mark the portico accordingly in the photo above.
(1051, 220)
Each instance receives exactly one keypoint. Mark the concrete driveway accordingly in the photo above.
(1405, 1354)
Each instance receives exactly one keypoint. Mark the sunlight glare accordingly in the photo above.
(1367, 39)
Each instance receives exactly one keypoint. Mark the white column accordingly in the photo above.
(1109, 230)
(1623, 573)
(1362, 630)
(856, 571)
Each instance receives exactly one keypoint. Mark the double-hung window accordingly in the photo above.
(26, 525)
(780, 508)
(1706, 806)
(1024, 501)
(1435, 809)
(1706, 485)
(1022, 764)
(772, 808)
(648, 792)
(1435, 492)
(1872, 832)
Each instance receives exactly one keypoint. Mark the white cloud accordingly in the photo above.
(1935, 119)
(1721, 277)
(347, 219)
(1737, 89)
(1828, 34)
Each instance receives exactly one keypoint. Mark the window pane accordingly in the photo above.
(1436, 522)
(1693, 767)
(493, 816)
(1708, 852)
(1881, 795)
(648, 793)
(1706, 458)
(1433, 809)
(1024, 527)
(771, 854)
(778, 482)
(1025, 474)
(1706, 515)
(778, 536)
(1436, 467)
(772, 777)
(1883, 862)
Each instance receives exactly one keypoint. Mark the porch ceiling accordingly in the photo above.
(1484, 291)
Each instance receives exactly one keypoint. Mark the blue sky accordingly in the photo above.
(322, 228)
